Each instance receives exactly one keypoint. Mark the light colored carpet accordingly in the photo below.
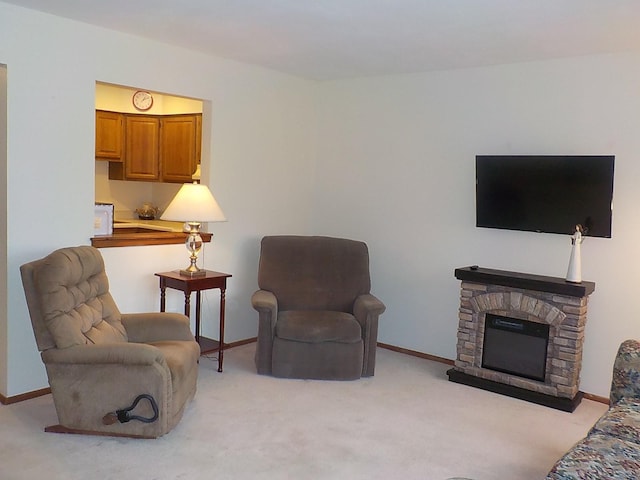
(407, 422)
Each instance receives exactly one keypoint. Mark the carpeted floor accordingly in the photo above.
(407, 422)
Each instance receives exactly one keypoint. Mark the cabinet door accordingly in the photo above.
(108, 135)
(178, 147)
(198, 139)
(142, 136)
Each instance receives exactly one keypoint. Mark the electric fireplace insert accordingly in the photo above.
(515, 346)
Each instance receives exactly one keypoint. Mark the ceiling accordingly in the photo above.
(335, 39)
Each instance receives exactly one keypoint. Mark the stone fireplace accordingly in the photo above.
(530, 315)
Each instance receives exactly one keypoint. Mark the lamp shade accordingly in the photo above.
(194, 202)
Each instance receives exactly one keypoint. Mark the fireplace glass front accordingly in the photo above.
(515, 346)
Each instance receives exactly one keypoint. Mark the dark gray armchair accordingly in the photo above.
(317, 317)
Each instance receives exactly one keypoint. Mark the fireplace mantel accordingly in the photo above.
(525, 281)
(551, 301)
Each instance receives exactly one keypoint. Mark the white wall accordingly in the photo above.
(396, 168)
(118, 98)
(259, 150)
(3, 226)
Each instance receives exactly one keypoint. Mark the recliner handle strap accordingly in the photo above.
(124, 415)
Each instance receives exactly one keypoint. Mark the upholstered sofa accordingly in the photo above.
(611, 450)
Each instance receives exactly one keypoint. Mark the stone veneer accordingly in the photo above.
(509, 294)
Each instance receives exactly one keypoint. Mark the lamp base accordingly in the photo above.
(193, 273)
(194, 245)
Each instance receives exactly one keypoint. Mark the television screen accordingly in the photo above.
(545, 193)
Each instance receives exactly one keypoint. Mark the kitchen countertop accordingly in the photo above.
(128, 232)
(159, 225)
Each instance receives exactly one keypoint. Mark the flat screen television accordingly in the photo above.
(545, 193)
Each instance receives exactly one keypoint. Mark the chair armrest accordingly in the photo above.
(367, 308)
(266, 304)
(157, 326)
(105, 353)
(265, 301)
(626, 372)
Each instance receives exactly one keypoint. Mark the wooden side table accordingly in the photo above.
(197, 284)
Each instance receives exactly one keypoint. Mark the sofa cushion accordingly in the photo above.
(316, 326)
(626, 372)
(622, 420)
(599, 456)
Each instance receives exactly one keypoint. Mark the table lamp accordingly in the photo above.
(194, 203)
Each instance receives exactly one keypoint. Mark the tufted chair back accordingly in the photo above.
(69, 301)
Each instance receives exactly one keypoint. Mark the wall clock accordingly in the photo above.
(142, 100)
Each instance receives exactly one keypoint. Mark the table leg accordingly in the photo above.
(163, 289)
(198, 316)
(187, 304)
(221, 347)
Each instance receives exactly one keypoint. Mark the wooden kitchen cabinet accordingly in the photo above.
(178, 147)
(198, 140)
(159, 148)
(109, 135)
(142, 136)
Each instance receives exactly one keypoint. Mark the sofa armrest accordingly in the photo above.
(626, 372)
(157, 326)
(103, 354)
(266, 304)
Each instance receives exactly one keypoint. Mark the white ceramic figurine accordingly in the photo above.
(574, 273)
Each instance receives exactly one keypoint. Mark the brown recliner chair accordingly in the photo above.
(317, 317)
(99, 361)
